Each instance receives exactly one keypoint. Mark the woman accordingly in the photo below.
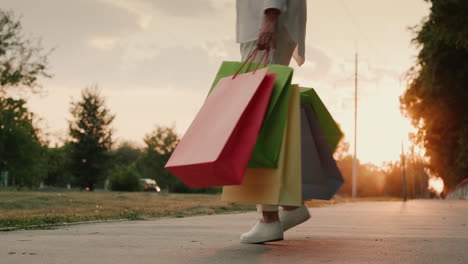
(279, 25)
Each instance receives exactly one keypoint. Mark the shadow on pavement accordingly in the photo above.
(320, 250)
(295, 250)
(240, 253)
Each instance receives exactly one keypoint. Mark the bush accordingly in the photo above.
(125, 178)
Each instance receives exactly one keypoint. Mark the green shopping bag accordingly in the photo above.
(330, 129)
(268, 146)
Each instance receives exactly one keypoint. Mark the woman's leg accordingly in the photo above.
(269, 228)
(269, 213)
(283, 53)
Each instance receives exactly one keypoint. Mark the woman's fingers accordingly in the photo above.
(264, 40)
(273, 41)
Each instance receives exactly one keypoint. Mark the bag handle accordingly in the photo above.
(264, 58)
(250, 60)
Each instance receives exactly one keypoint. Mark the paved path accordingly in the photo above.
(424, 231)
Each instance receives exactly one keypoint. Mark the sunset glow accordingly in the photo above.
(436, 185)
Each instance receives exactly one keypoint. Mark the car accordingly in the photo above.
(150, 185)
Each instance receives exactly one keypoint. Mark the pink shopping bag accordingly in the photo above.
(217, 146)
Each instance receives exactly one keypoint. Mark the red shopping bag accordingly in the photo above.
(217, 146)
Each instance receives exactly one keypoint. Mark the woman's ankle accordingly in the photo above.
(269, 217)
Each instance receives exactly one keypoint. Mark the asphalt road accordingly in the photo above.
(422, 231)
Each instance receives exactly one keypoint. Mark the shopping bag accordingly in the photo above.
(218, 144)
(280, 186)
(270, 138)
(329, 127)
(321, 178)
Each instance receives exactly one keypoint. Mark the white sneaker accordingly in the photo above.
(263, 232)
(294, 217)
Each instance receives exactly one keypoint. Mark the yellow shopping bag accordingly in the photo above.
(280, 186)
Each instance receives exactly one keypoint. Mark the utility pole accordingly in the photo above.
(355, 162)
(412, 171)
(403, 173)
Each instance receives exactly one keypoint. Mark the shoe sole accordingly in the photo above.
(274, 240)
(262, 242)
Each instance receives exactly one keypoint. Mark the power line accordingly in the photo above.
(353, 20)
(358, 28)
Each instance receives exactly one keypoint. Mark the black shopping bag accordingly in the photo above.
(321, 178)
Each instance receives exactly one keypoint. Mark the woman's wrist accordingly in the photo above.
(272, 14)
(266, 36)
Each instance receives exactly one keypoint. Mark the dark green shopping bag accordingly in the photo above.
(327, 124)
(270, 138)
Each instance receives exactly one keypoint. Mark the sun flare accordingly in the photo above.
(436, 184)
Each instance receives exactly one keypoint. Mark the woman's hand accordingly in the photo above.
(267, 34)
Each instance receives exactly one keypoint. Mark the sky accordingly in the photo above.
(154, 61)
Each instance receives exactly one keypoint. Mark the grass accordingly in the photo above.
(32, 210)
(38, 210)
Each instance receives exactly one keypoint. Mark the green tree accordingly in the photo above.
(160, 144)
(91, 138)
(21, 152)
(125, 178)
(437, 95)
(58, 166)
(125, 154)
(22, 61)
